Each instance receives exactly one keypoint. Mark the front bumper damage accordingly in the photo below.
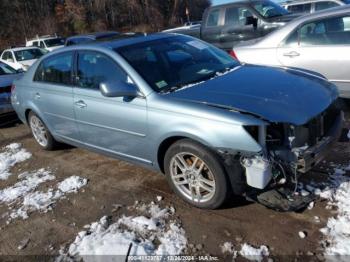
(312, 156)
(291, 162)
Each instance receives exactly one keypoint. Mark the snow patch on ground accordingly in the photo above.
(254, 254)
(152, 232)
(22, 198)
(247, 251)
(337, 231)
(29, 183)
(72, 184)
(11, 155)
(42, 201)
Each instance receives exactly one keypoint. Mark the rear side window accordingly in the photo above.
(303, 8)
(36, 43)
(95, 68)
(56, 69)
(213, 17)
(324, 5)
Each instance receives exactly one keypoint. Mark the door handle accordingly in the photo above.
(80, 104)
(37, 96)
(292, 54)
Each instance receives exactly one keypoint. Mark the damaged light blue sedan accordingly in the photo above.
(185, 108)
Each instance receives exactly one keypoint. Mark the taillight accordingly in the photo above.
(233, 54)
(13, 87)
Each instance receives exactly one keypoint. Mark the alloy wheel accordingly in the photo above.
(39, 131)
(192, 177)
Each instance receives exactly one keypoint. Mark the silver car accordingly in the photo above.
(177, 105)
(318, 42)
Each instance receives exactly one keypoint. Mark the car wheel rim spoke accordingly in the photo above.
(192, 177)
(39, 131)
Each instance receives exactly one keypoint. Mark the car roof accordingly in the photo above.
(44, 38)
(93, 35)
(119, 42)
(321, 14)
(21, 48)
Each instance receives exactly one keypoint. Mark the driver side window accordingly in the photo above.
(95, 68)
(237, 16)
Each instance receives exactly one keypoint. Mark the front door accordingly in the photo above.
(322, 46)
(235, 27)
(211, 28)
(114, 125)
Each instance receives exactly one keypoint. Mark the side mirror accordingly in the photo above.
(119, 89)
(20, 71)
(251, 20)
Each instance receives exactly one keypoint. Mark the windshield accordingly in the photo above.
(171, 63)
(269, 9)
(6, 70)
(29, 54)
(54, 42)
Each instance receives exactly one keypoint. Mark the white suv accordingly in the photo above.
(21, 57)
(48, 43)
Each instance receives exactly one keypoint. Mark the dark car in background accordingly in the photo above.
(80, 39)
(229, 24)
(7, 76)
(100, 36)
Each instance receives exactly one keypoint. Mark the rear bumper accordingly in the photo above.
(314, 155)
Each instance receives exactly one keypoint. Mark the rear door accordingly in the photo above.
(235, 27)
(53, 95)
(116, 125)
(322, 46)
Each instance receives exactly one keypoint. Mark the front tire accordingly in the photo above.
(41, 133)
(196, 174)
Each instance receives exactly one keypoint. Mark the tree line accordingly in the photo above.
(22, 19)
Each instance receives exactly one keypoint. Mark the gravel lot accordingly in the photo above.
(112, 182)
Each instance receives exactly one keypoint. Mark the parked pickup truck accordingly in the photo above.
(229, 24)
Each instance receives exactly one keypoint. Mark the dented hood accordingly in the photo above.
(274, 94)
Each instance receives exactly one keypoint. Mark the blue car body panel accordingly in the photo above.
(213, 113)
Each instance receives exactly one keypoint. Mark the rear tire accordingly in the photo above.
(41, 133)
(196, 174)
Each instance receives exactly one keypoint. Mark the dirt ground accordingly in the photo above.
(116, 182)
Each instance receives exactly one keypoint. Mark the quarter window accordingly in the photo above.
(95, 68)
(56, 69)
(237, 16)
(213, 18)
